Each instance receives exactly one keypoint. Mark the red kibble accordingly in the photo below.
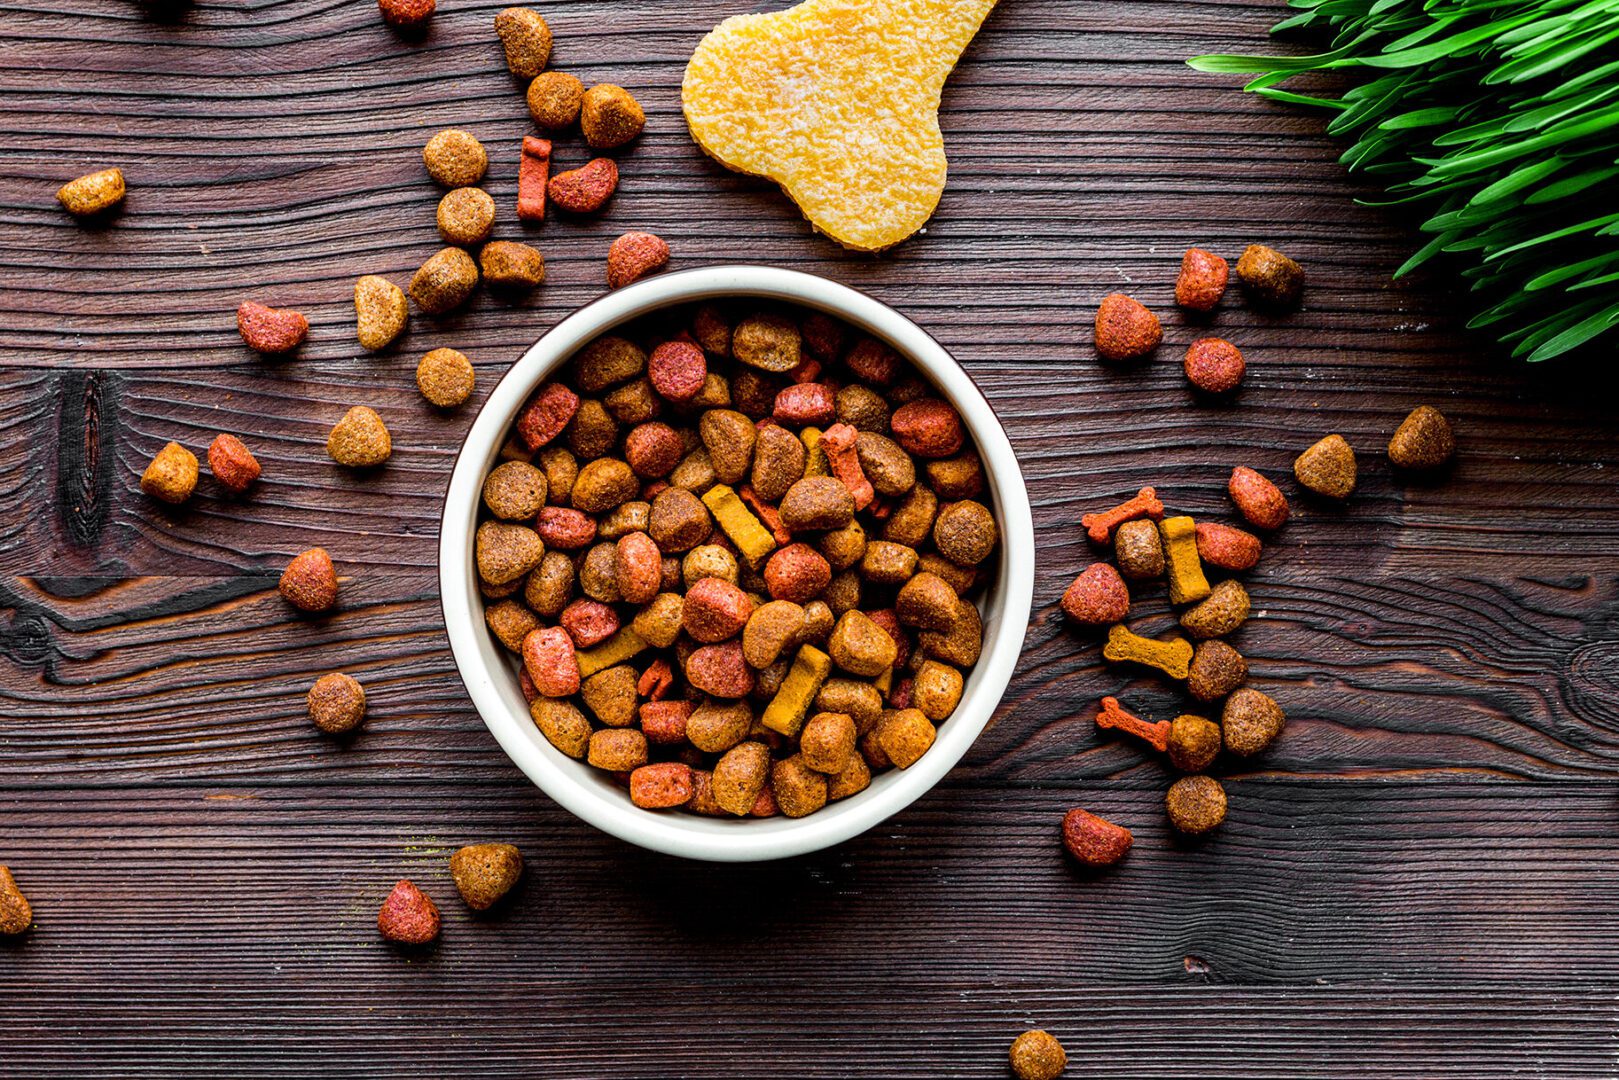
(664, 722)
(798, 573)
(586, 189)
(232, 463)
(406, 13)
(1125, 329)
(677, 370)
(408, 916)
(1259, 500)
(656, 681)
(806, 403)
(715, 610)
(270, 330)
(546, 415)
(653, 449)
(588, 622)
(565, 528)
(1099, 527)
(549, 658)
(1098, 596)
(1202, 280)
(1226, 547)
(1114, 715)
(309, 583)
(839, 443)
(533, 170)
(633, 256)
(1094, 841)
(928, 428)
(661, 786)
(1214, 365)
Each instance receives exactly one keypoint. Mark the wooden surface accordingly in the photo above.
(1418, 881)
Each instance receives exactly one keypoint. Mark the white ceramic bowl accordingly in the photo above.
(490, 672)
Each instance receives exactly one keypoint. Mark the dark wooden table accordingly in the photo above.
(1418, 880)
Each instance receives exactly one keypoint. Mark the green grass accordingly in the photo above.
(1499, 120)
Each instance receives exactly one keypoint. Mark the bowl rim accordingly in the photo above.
(596, 800)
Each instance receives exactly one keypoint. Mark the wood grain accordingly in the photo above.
(1416, 881)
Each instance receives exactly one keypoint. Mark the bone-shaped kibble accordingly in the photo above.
(1114, 715)
(1172, 657)
(838, 102)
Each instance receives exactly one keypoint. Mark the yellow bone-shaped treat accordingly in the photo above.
(838, 102)
(1172, 657)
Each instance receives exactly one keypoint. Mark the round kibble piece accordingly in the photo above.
(1214, 365)
(444, 281)
(554, 99)
(526, 39)
(309, 582)
(610, 116)
(827, 741)
(1327, 468)
(510, 622)
(1037, 1055)
(1139, 550)
(1194, 742)
(740, 775)
(816, 503)
(172, 474)
(1202, 280)
(93, 193)
(465, 216)
(563, 725)
(965, 533)
(359, 440)
(928, 428)
(454, 158)
(1423, 440)
(905, 735)
(1196, 804)
(799, 789)
(768, 342)
(1216, 670)
(1251, 721)
(445, 378)
(505, 551)
(1125, 329)
(509, 265)
(617, 749)
(484, 873)
(336, 703)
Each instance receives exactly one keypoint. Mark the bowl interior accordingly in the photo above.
(490, 672)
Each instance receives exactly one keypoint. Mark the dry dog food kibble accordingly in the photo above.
(1171, 657)
(1113, 715)
(406, 13)
(16, 916)
(172, 474)
(609, 116)
(1139, 551)
(699, 599)
(1194, 742)
(510, 265)
(633, 256)
(1186, 580)
(92, 193)
(1094, 841)
(483, 873)
(465, 216)
(1125, 329)
(1226, 547)
(1196, 804)
(586, 189)
(408, 916)
(1225, 609)
(1098, 597)
(309, 582)
(359, 440)
(270, 330)
(444, 281)
(1251, 721)
(232, 463)
(1202, 280)
(336, 703)
(554, 100)
(1327, 468)
(380, 310)
(1215, 671)
(533, 174)
(526, 39)
(1259, 500)
(1423, 440)
(1269, 277)
(455, 158)
(1037, 1055)
(445, 378)
(1145, 504)
(1214, 365)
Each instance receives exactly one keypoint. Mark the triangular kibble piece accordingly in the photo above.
(838, 102)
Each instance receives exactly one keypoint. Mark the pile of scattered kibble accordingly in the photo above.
(1149, 546)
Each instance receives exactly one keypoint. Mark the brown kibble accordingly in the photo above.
(714, 726)
(767, 342)
(510, 265)
(359, 440)
(232, 463)
(510, 622)
(454, 158)
(444, 281)
(886, 563)
(563, 725)
(1225, 609)
(1327, 468)
(1139, 550)
(927, 602)
(1251, 721)
(379, 307)
(1259, 500)
(554, 100)
(609, 116)
(770, 630)
(93, 193)
(965, 532)
(936, 690)
(799, 789)
(617, 749)
(817, 503)
(1125, 329)
(406, 13)
(826, 742)
(1098, 596)
(606, 362)
(1095, 842)
(1270, 277)
(172, 474)
(1214, 365)
(483, 873)
(1216, 670)
(526, 39)
(862, 408)
(505, 551)
(679, 521)
(269, 330)
(905, 735)
(466, 216)
(1226, 547)
(1202, 280)
(633, 256)
(1194, 742)
(445, 378)
(407, 915)
(586, 189)
(851, 781)
(1196, 804)
(1423, 440)
(740, 775)
(861, 647)
(960, 477)
(336, 703)
(309, 582)
(16, 916)
(961, 644)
